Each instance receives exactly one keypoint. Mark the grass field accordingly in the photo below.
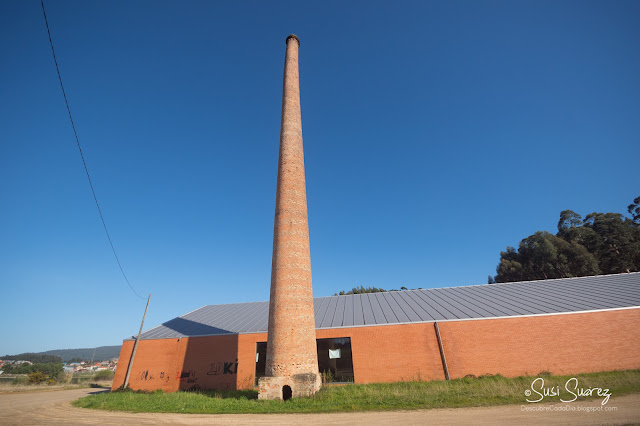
(467, 392)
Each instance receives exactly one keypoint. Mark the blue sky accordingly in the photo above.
(436, 134)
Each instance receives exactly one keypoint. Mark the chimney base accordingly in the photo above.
(283, 388)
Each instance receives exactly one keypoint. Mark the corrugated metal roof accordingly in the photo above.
(437, 304)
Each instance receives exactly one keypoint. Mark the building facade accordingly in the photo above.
(563, 326)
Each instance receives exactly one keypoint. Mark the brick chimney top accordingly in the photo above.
(294, 37)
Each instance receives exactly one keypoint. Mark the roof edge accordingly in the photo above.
(412, 322)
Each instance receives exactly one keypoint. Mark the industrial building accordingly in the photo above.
(561, 326)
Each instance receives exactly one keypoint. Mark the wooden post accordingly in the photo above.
(442, 357)
(135, 346)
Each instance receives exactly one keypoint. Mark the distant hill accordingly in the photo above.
(39, 358)
(102, 353)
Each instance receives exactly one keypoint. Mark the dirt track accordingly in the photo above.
(53, 408)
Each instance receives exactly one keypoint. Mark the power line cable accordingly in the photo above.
(82, 155)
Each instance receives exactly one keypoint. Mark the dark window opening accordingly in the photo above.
(261, 360)
(286, 393)
(335, 361)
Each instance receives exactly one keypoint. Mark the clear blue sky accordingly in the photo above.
(436, 134)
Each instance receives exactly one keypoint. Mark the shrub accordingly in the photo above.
(104, 375)
(327, 376)
(21, 380)
(65, 377)
(37, 377)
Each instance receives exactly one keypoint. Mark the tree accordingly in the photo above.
(615, 241)
(634, 210)
(361, 290)
(602, 243)
(33, 357)
(509, 269)
(545, 256)
(568, 220)
(51, 369)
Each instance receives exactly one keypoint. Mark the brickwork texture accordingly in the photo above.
(560, 344)
(291, 346)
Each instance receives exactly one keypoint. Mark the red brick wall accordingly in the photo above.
(247, 358)
(153, 358)
(561, 344)
(178, 364)
(392, 353)
(380, 354)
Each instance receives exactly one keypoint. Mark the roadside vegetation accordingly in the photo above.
(50, 370)
(466, 392)
(39, 380)
(39, 371)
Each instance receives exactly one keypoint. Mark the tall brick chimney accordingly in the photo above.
(292, 358)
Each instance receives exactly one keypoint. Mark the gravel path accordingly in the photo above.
(54, 408)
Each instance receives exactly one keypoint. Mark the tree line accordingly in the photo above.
(33, 357)
(51, 369)
(601, 243)
(362, 290)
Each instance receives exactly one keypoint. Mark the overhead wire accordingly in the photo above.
(86, 169)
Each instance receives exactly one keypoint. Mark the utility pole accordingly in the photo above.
(135, 346)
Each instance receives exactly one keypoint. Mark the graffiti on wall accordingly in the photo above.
(188, 376)
(147, 376)
(220, 368)
(217, 368)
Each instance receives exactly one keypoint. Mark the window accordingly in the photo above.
(334, 360)
(261, 360)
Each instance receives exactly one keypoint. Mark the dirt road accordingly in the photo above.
(53, 408)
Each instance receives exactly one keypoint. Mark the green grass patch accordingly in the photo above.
(466, 392)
